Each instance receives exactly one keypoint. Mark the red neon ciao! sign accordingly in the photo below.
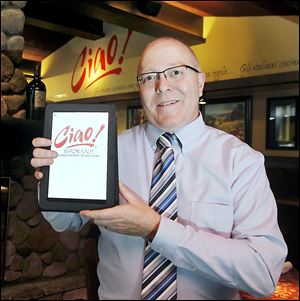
(90, 65)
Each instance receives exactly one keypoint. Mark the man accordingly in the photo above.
(223, 235)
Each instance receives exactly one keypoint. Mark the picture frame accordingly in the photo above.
(282, 126)
(231, 114)
(84, 175)
(135, 116)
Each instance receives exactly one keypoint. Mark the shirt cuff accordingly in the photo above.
(167, 238)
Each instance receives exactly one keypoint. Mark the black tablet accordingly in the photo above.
(85, 173)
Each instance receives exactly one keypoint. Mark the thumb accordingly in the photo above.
(129, 195)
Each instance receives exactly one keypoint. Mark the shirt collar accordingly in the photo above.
(187, 135)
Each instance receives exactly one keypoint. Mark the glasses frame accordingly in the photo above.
(159, 72)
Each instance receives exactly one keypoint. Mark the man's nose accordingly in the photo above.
(162, 84)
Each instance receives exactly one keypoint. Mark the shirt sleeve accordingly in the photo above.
(252, 257)
(61, 221)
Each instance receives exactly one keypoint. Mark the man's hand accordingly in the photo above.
(134, 217)
(41, 156)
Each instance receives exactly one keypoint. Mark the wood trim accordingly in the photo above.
(254, 81)
(116, 98)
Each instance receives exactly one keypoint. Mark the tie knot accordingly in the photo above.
(166, 139)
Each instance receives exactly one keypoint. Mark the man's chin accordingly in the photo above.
(168, 125)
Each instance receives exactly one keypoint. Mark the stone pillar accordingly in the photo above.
(13, 81)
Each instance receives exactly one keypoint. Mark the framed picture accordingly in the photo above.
(282, 123)
(135, 116)
(232, 115)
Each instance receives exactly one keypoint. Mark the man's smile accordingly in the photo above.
(168, 103)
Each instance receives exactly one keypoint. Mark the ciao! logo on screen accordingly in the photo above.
(69, 137)
(91, 66)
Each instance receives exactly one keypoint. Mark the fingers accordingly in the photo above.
(92, 214)
(41, 142)
(107, 213)
(41, 156)
(35, 162)
(38, 174)
(40, 153)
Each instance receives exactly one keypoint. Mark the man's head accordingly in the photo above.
(170, 99)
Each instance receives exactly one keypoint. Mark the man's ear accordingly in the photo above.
(201, 81)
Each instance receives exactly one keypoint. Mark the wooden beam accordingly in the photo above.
(61, 17)
(34, 54)
(61, 29)
(170, 20)
(39, 42)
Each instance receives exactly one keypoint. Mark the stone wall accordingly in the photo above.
(36, 255)
(13, 81)
(39, 262)
(33, 248)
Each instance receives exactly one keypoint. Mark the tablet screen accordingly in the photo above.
(81, 141)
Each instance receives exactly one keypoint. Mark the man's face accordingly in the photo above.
(170, 104)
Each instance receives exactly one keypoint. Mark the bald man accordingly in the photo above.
(221, 234)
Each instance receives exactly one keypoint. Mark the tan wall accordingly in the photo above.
(239, 47)
(235, 47)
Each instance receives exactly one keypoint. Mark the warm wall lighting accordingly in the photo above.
(61, 95)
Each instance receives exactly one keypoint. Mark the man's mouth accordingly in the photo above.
(168, 103)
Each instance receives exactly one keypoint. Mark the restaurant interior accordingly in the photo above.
(249, 51)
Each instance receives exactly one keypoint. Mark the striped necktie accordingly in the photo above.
(159, 274)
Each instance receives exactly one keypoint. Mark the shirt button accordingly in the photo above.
(193, 269)
(160, 249)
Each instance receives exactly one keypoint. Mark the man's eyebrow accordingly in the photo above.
(170, 66)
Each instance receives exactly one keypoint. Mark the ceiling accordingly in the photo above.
(51, 24)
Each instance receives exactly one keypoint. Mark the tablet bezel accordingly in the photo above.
(112, 191)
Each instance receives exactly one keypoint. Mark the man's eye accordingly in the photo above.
(175, 73)
(150, 78)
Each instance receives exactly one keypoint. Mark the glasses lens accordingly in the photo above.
(147, 79)
(175, 73)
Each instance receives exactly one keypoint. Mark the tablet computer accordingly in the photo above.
(85, 173)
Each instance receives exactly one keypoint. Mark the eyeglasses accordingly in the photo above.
(172, 74)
